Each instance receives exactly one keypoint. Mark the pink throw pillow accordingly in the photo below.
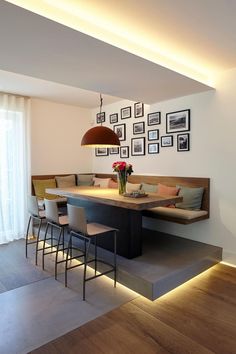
(112, 184)
(164, 190)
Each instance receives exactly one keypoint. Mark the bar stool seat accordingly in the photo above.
(87, 232)
(36, 215)
(55, 221)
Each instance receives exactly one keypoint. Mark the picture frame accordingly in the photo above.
(101, 117)
(138, 110)
(101, 151)
(153, 134)
(154, 118)
(167, 141)
(138, 146)
(114, 150)
(113, 118)
(178, 121)
(125, 112)
(124, 152)
(183, 142)
(138, 128)
(153, 148)
(120, 130)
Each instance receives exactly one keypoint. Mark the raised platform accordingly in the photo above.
(167, 262)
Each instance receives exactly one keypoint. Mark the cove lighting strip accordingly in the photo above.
(78, 15)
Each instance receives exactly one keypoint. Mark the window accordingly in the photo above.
(13, 167)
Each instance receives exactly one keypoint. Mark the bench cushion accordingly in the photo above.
(192, 198)
(179, 213)
(40, 186)
(65, 181)
(85, 180)
(132, 187)
(149, 188)
(101, 182)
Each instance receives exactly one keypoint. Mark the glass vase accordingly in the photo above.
(122, 180)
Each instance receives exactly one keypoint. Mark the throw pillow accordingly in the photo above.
(103, 182)
(164, 190)
(65, 181)
(112, 184)
(132, 187)
(40, 186)
(85, 180)
(149, 188)
(167, 190)
(192, 198)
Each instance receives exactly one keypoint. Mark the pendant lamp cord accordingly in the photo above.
(101, 99)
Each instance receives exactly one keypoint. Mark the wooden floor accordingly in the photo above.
(199, 317)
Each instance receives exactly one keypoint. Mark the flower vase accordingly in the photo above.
(122, 179)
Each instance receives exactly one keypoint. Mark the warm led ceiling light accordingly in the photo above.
(78, 15)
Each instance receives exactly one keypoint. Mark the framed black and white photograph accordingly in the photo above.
(183, 142)
(153, 148)
(138, 128)
(113, 118)
(124, 152)
(154, 118)
(153, 134)
(137, 146)
(178, 121)
(100, 117)
(125, 112)
(101, 151)
(138, 110)
(120, 130)
(114, 151)
(167, 140)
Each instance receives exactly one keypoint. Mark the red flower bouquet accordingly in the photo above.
(123, 169)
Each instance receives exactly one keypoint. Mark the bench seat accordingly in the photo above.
(181, 216)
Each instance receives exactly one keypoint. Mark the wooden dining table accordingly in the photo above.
(106, 206)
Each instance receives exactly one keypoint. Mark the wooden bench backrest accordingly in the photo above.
(167, 180)
(172, 181)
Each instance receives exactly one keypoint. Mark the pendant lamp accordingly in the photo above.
(100, 136)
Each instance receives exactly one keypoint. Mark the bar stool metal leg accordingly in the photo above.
(37, 242)
(44, 244)
(115, 267)
(95, 254)
(58, 248)
(85, 265)
(27, 239)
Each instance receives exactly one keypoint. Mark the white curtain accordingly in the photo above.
(14, 166)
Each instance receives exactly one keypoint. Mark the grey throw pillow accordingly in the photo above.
(192, 198)
(85, 179)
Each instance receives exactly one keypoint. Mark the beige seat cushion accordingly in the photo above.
(179, 213)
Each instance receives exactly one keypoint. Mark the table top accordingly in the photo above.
(111, 196)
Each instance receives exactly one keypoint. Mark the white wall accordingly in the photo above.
(56, 132)
(212, 154)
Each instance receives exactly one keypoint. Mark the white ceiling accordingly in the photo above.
(200, 35)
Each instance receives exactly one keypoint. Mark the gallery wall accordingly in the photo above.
(212, 154)
(56, 132)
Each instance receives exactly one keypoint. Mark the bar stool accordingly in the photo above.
(57, 221)
(36, 215)
(87, 232)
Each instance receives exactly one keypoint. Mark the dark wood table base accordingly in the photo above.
(129, 223)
